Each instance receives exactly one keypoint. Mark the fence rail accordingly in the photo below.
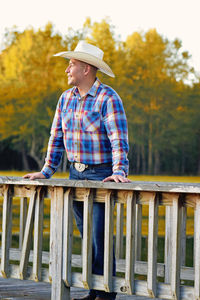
(166, 280)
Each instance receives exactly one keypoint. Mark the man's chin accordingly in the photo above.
(70, 82)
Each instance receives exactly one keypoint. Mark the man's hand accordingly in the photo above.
(116, 178)
(36, 175)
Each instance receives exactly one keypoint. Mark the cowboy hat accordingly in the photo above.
(90, 54)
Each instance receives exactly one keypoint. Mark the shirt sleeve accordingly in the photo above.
(116, 125)
(55, 146)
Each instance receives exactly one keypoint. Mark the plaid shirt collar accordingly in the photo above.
(92, 92)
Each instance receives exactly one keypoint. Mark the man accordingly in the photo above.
(91, 126)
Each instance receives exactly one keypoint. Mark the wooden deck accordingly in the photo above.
(15, 289)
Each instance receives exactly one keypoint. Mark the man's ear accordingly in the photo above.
(87, 69)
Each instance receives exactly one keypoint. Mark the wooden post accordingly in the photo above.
(108, 242)
(119, 230)
(183, 235)
(51, 194)
(6, 231)
(87, 240)
(23, 216)
(38, 235)
(197, 250)
(67, 237)
(26, 246)
(59, 291)
(176, 247)
(168, 243)
(130, 240)
(138, 232)
(152, 245)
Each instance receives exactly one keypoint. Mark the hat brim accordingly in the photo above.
(90, 59)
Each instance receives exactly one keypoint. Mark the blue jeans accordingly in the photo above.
(98, 223)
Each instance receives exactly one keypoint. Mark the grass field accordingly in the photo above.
(193, 179)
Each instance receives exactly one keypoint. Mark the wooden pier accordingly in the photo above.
(51, 273)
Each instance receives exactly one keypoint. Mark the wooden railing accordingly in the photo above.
(167, 280)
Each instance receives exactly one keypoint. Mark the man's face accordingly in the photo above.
(75, 72)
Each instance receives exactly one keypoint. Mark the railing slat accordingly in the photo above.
(168, 243)
(26, 246)
(130, 241)
(119, 230)
(6, 231)
(67, 237)
(152, 245)
(23, 216)
(176, 246)
(183, 235)
(59, 291)
(197, 249)
(87, 239)
(38, 235)
(108, 244)
(51, 192)
(138, 232)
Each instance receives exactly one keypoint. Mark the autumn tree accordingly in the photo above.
(30, 81)
(153, 67)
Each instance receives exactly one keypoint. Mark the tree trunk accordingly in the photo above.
(33, 154)
(198, 166)
(156, 162)
(138, 160)
(150, 150)
(143, 159)
(25, 164)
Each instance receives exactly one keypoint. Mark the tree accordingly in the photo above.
(31, 79)
(153, 67)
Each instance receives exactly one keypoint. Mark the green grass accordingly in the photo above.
(192, 179)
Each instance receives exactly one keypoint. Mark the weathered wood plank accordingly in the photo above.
(130, 242)
(197, 250)
(38, 234)
(168, 243)
(176, 248)
(22, 221)
(108, 242)
(6, 230)
(59, 290)
(183, 235)
(152, 245)
(26, 246)
(87, 239)
(67, 237)
(51, 192)
(14, 289)
(138, 232)
(135, 185)
(119, 230)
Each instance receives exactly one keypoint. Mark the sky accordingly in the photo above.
(171, 18)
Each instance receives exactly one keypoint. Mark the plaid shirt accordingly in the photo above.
(92, 129)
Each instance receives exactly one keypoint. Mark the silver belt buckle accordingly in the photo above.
(80, 167)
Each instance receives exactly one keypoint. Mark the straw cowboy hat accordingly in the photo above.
(90, 54)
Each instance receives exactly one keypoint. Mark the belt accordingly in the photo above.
(80, 167)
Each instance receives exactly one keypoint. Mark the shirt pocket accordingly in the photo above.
(91, 121)
(67, 120)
